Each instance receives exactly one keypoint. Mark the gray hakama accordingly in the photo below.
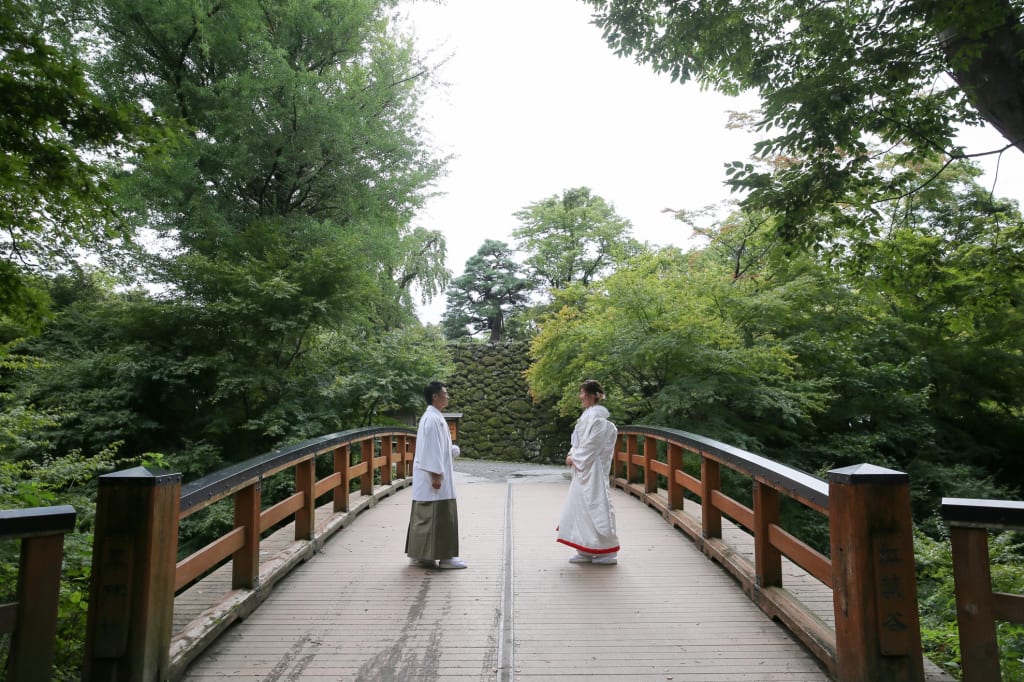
(433, 530)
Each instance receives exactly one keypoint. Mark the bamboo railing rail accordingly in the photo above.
(31, 620)
(870, 566)
(136, 573)
(977, 606)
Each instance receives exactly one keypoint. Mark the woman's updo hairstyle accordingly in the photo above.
(593, 387)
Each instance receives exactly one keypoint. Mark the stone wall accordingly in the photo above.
(500, 421)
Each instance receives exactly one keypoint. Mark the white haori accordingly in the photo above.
(588, 518)
(434, 453)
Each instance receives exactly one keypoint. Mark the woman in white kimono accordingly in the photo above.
(588, 519)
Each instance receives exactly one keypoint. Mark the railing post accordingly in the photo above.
(878, 630)
(385, 451)
(631, 452)
(342, 466)
(400, 468)
(619, 457)
(305, 483)
(32, 648)
(710, 483)
(976, 621)
(675, 488)
(366, 450)
(245, 563)
(650, 455)
(767, 559)
(131, 603)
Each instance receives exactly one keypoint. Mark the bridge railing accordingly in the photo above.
(31, 620)
(978, 607)
(870, 566)
(136, 571)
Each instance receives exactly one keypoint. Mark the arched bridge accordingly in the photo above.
(316, 587)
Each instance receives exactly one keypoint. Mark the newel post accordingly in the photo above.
(878, 630)
(131, 601)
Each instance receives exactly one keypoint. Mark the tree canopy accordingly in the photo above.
(574, 238)
(901, 350)
(279, 181)
(490, 290)
(840, 84)
(58, 135)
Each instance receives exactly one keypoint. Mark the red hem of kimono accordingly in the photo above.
(588, 550)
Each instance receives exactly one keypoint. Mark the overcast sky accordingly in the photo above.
(536, 103)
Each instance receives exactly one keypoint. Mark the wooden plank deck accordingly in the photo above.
(358, 611)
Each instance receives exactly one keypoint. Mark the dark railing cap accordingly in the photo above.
(795, 482)
(868, 473)
(999, 514)
(140, 476)
(22, 523)
(215, 484)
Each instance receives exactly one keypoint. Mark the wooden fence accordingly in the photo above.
(869, 566)
(136, 572)
(977, 606)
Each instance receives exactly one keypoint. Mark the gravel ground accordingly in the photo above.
(487, 470)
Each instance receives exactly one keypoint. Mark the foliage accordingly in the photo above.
(573, 239)
(837, 82)
(659, 337)
(902, 351)
(288, 167)
(156, 375)
(937, 600)
(56, 132)
(486, 295)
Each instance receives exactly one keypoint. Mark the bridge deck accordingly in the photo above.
(358, 611)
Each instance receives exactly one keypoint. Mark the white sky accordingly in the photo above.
(537, 103)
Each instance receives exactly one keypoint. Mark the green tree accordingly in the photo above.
(291, 166)
(58, 137)
(837, 81)
(419, 267)
(575, 238)
(900, 349)
(486, 295)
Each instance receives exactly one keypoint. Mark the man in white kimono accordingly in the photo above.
(587, 523)
(432, 540)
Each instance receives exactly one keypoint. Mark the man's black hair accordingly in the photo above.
(432, 389)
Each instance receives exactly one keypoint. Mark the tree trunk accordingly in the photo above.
(497, 328)
(994, 80)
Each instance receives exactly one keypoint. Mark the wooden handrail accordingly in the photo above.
(978, 607)
(865, 647)
(33, 629)
(121, 642)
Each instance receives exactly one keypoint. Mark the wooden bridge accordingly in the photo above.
(307, 590)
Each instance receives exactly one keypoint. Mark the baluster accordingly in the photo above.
(366, 450)
(675, 488)
(38, 596)
(305, 483)
(767, 559)
(650, 454)
(342, 466)
(386, 452)
(245, 563)
(710, 483)
(979, 648)
(632, 476)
